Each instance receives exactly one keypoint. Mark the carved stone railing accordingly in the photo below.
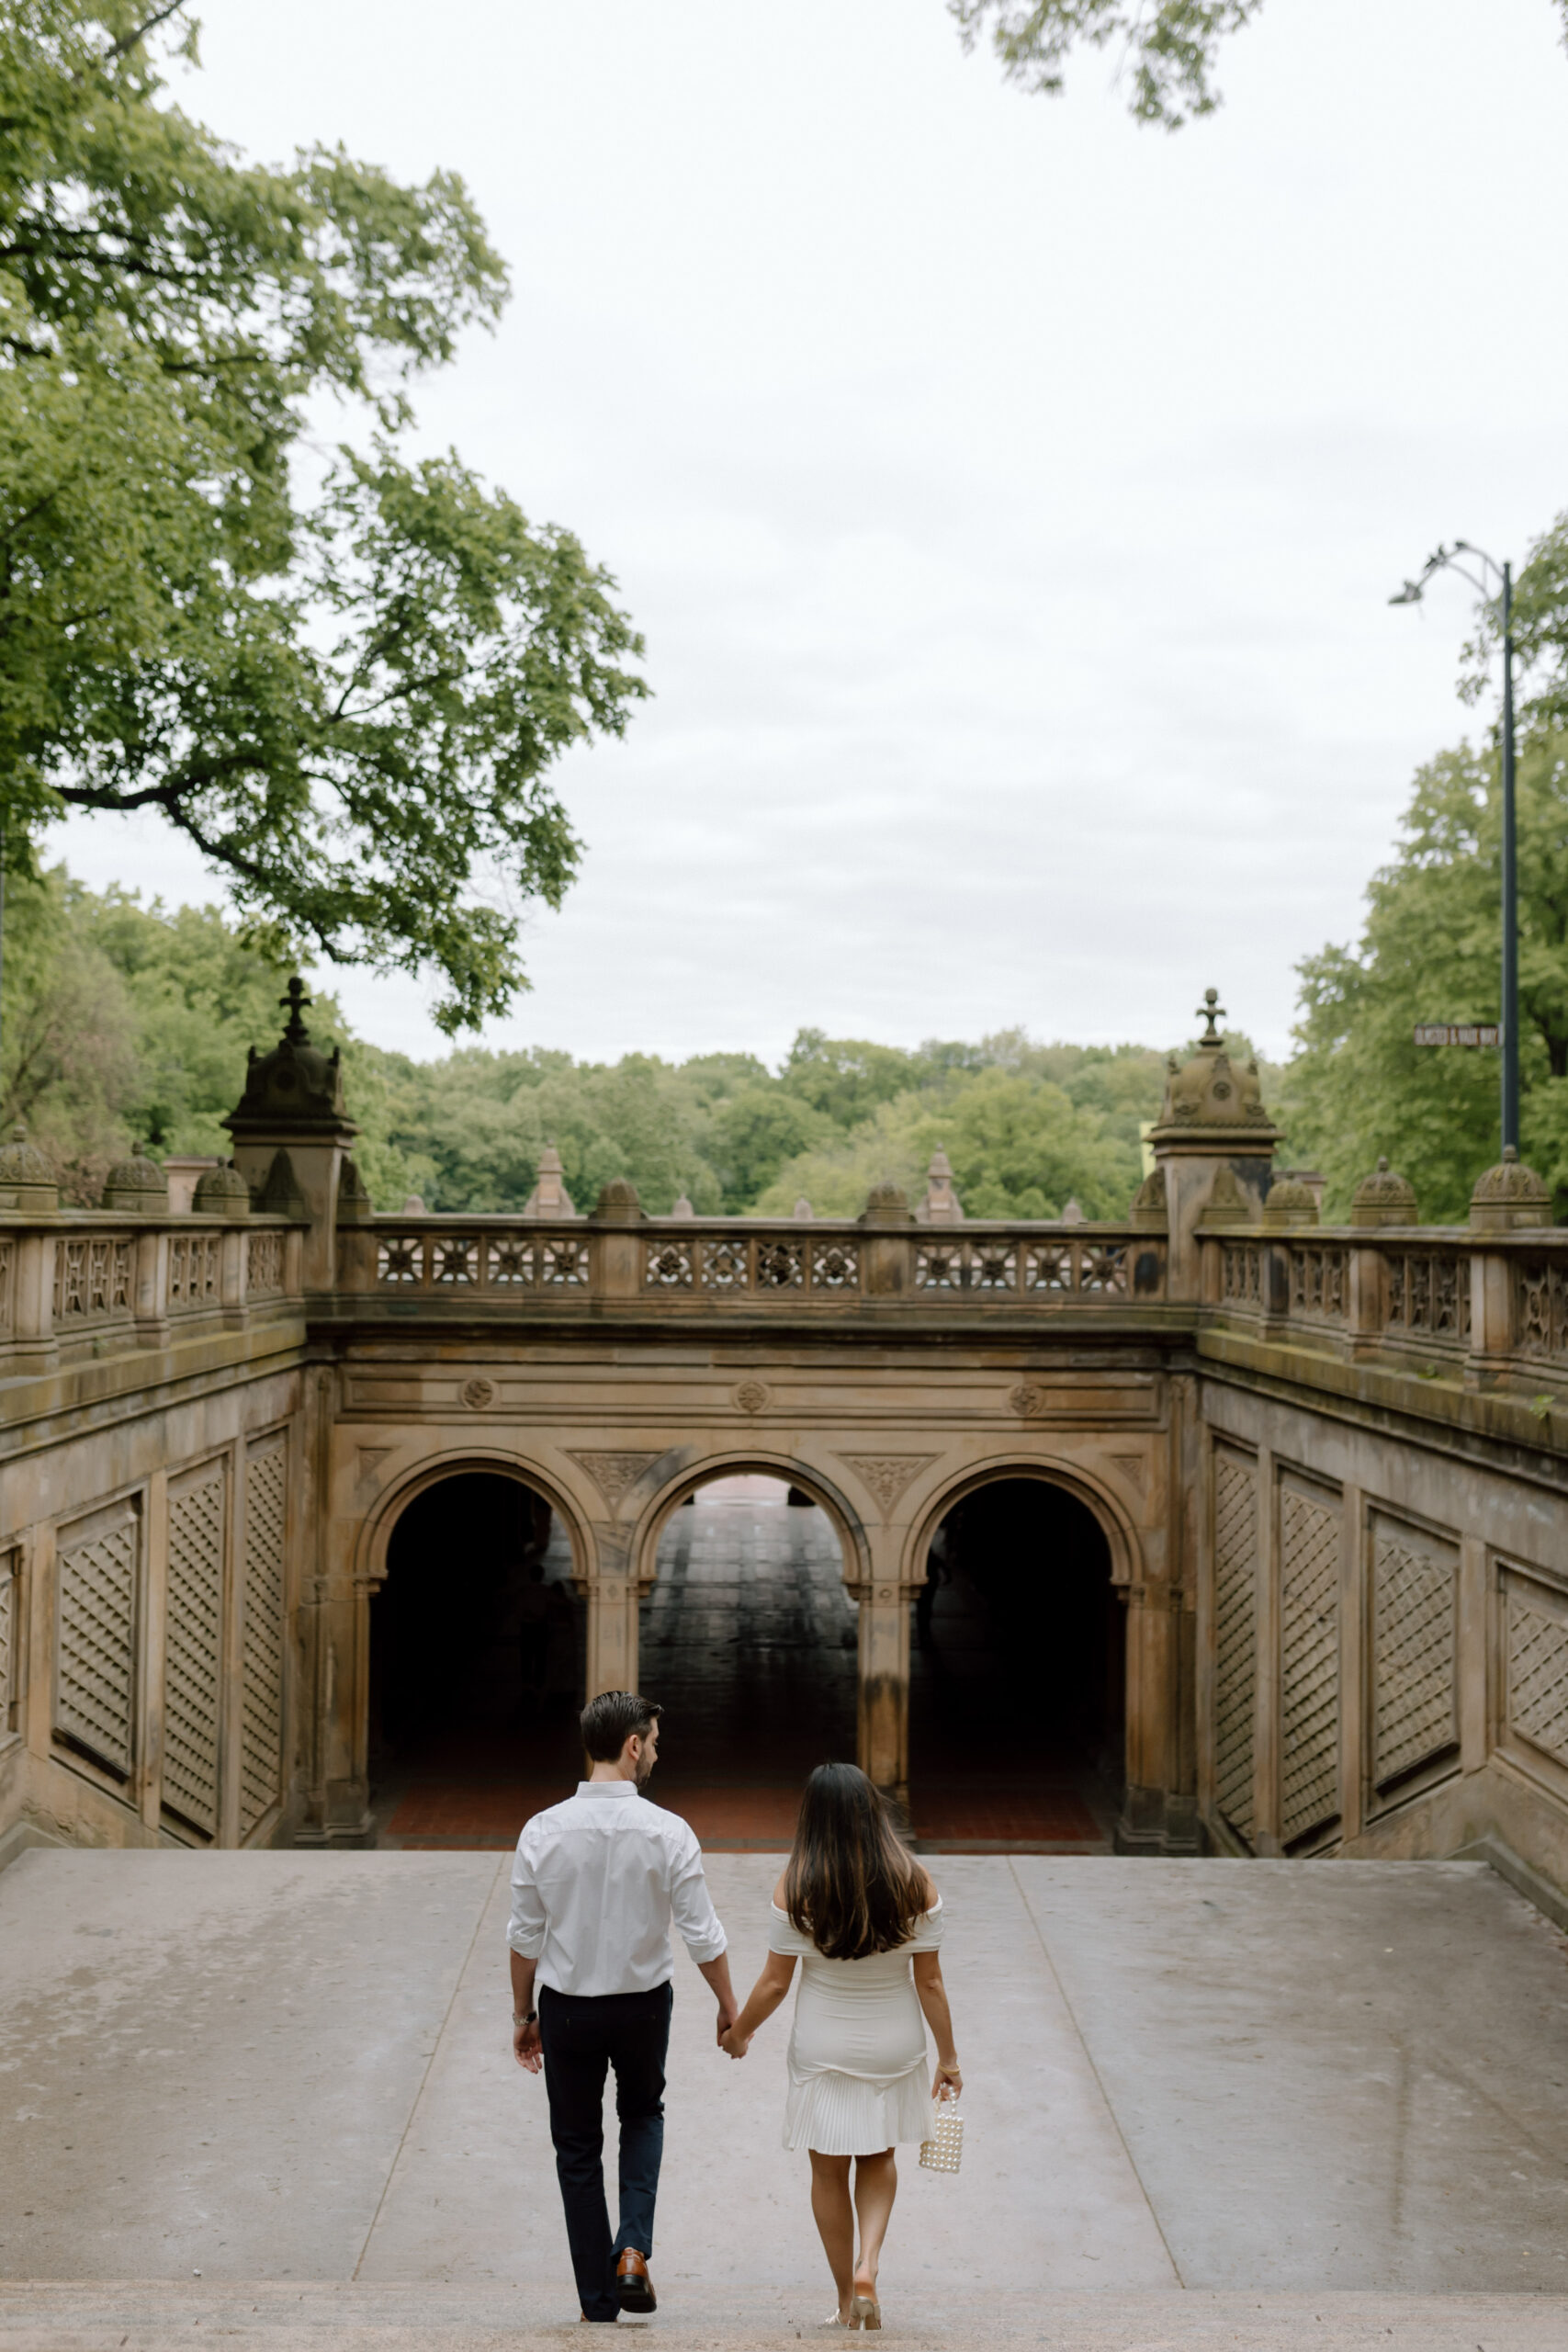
(716, 1263)
(77, 1283)
(1490, 1307)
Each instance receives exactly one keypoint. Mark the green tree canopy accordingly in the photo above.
(347, 689)
(1430, 952)
(1171, 46)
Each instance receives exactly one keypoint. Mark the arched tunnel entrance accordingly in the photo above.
(748, 1641)
(1016, 1675)
(476, 1666)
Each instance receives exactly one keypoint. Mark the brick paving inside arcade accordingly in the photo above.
(749, 1640)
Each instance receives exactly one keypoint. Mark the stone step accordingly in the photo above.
(283, 2316)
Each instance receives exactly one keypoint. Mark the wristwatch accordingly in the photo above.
(528, 2020)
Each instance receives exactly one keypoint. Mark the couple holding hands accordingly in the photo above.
(596, 1884)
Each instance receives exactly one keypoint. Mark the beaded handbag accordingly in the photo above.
(943, 2152)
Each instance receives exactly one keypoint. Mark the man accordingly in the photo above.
(594, 1887)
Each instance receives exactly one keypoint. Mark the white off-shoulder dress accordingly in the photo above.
(858, 2079)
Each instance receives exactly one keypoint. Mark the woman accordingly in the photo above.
(862, 1918)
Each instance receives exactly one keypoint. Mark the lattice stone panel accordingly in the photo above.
(7, 1309)
(261, 1744)
(1414, 1598)
(1235, 1637)
(1309, 1652)
(193, 1659)
(96, 1621)
(263, 1264)
(1538, 1674)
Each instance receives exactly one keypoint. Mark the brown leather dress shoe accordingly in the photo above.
(633, 2285)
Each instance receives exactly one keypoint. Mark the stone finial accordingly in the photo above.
(1073, 1213)
(1289, 1203)
(941, 1204)
(28, 1182)
(414, 1206)
(279, 1193)
(1385, 1197)
(1508, 1196)
(886, 1203)
(222, 1191)
(137, 1186)
(549, 1196)
(618, 1202)
(682, 1207)
(294, 1086)
(802, 1211)
(1209, 1095)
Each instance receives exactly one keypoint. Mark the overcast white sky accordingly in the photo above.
(1011, 497)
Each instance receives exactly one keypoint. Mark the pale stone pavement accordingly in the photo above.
(1210, 2103)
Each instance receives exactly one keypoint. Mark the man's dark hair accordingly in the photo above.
(612, 1718)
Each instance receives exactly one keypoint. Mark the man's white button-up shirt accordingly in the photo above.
(595, 1885)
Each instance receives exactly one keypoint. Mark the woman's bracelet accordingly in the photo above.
(528, 2020)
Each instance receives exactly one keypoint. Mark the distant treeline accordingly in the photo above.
(127, 1022)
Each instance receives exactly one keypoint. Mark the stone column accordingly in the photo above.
(611, 1633)
(884, 1702)
(1214, 1145)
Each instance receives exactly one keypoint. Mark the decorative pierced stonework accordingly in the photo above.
(1049, 1267)
(1103, 1270)
(1541, 1309)
(1309, 1647)
(455, 1263)
(1414, 1598)
(1428, 1294)
(400, 1258)
(1235, 1637)
(967, 1265)
(667, 1265)
(1537, 1671)
(261, 1729)
(612, 1473)
(509, 1264)
(725, 1265)
(193, 1647)
(749, 1396)
(263, 1265)
(835, 1265)
(477, 1394)
(1241, 1273)
(886, 1475)
(1319, 1283)
(194, 1271)
(95, 1636)
(92, 1279)
(563, 1264)
(781, 1265)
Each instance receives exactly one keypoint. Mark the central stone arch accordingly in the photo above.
(781, 1684)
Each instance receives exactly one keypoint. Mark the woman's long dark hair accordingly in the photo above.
(850, 1883)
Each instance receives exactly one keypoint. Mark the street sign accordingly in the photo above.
(1458, 1033)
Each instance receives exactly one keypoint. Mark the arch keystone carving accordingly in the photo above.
(614, 1473)
(886, 1475)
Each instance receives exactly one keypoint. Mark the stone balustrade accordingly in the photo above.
(77, 1283)
(1443, 1300)
(498, 1263)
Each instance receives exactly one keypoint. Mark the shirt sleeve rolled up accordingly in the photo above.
(691, 1906)
(526, 1933)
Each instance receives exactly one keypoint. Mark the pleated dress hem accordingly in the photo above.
(845, 2115)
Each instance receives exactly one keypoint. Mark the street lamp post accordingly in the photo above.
(1411, 594)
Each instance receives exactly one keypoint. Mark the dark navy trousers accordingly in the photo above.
(582, 2038)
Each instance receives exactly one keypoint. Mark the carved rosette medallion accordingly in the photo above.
(886, 1475)
(612, 1473)
(478, 1394)
(1025, 1399)
(749, 1396)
